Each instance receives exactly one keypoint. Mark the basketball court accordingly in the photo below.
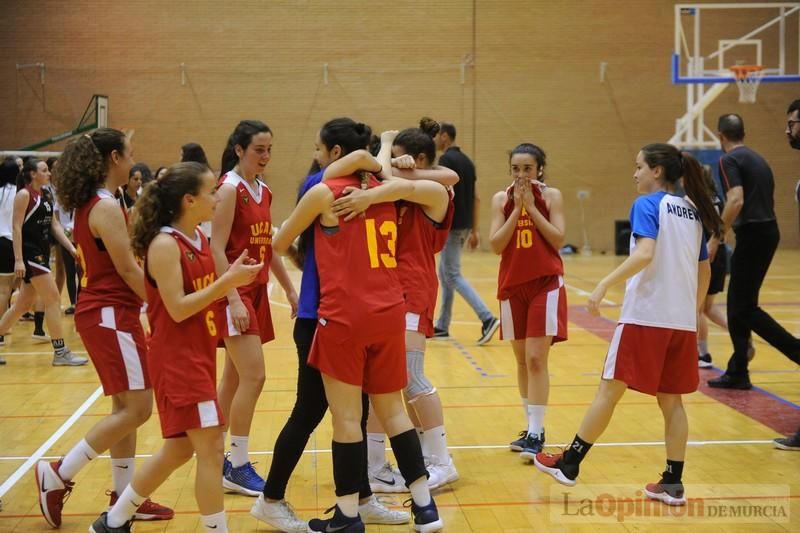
(735, 479)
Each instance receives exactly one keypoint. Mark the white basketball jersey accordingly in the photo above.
(664, 294)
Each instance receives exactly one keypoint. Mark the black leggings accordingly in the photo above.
(71, 275)
(309, 409)
(755, 246)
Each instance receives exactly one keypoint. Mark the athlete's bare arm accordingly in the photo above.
(314, 203)
(162, 256)
(442, 175)
(703, 281)
(221, 226)
(552, 230)
(352, 163)
(502, 229)
(107, 222)
(17, 220)
(640, 257)
(57, 231)
(277, 267)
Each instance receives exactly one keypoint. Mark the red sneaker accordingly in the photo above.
(671, 494)
(555, 466)
(53, 491)
(149, 510)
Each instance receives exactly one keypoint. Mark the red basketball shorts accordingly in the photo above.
(256, 300)
(375, 362)
(652, 360)
(115, 340)
(537, 308)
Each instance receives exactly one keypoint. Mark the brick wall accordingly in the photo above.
(536, 79)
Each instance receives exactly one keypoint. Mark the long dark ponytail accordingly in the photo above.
(676, 164)
(160, 202)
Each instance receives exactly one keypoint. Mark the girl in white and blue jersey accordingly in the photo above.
(653, 349)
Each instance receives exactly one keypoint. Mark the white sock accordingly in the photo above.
(214, 523)
(420, 492)
(76, 458)
(348, 504)
(420, 434)
(702, 347)
(525, 407)
(376, 451)
(435, 441)
(125, 507)
(239, 450)
(122, 473)
(536, 419)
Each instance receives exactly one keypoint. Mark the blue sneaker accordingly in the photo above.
(426, 519)
(533, 445)
(242, 479)
(226, 465)
(518, 444)
(339, 523)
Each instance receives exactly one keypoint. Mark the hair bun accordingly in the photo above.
(429, 126)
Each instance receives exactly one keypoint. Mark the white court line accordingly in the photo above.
(41, 353)
(478, 447)
(38, 454)
(582, 292)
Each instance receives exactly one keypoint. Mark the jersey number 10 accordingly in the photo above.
(524, 238)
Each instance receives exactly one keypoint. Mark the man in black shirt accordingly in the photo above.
(749, 185)
(464, 229)
(793, 133)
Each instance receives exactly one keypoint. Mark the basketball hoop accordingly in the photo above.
(748, 77)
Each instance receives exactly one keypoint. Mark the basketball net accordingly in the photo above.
(748, 78)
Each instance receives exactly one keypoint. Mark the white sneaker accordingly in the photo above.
(375, 512)
(441, 474)
(279, 515)
(387, 479)
(69, 359)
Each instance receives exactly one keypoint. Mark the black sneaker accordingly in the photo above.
(788, 443)
(101, 526)
(440, 333)
(725, 381)
(704, 361)
(426, 519)
(488, 329)
(69, 310)
(27, 317)
(533, 445)
(519, 444)
(2, 340)
(554, 465)
(669, 493)
(339, 523)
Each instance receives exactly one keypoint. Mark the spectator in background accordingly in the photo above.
(464, 229)
(749, 209)
(193, 152)
(8, 190)
(128, 193)
(793, 133)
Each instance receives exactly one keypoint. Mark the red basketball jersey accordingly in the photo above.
(418, 240)
(357, 265)
(252, 223)
(101, 284)
(527, 255)
(182, 355)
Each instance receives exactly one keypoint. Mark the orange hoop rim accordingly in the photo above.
(743, 71)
